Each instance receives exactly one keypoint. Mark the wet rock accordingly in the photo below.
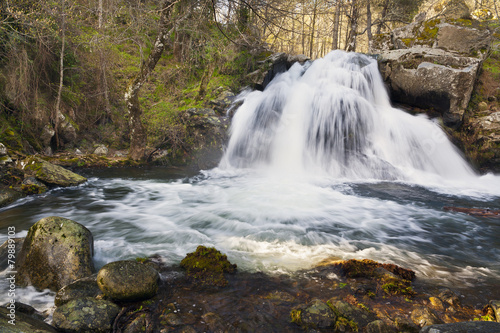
(222, 102)
(86, 315)
(206, 266)
(378, 326)
(361, 317)
(495, 305)
(31, 185)
(209, 135)
(450, 297)
(436, 303)
(8, 196)
(316, 314)
(139, 324)
(51, 174)
(405, 325)
(423, 316)
(16, 245)
(86, 287)
(468, 326)
(101, 150)
(55, 253)
(23, 323)
(128, 281)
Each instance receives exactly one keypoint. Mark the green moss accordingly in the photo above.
(408, 41)
(342, 323)
(206, 266)
(296, 316)
(398, 287)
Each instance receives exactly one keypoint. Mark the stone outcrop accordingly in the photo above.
(128, 280)
(433, 65)
(273, 65)
(55, 253)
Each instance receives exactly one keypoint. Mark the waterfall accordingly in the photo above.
(333, 117)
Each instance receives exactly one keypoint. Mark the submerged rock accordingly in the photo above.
(86, 315)
(128, 281)
(55, 253)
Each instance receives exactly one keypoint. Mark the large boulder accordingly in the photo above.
(86, 315)
(128, 280)
(431, 79)
(55, 253)
(433, 65)
(51, 174)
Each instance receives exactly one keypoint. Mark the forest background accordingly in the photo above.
(122, 72)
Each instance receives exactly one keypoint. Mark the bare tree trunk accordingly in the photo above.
(313, 24)
(351, 40)
(369, 24)
(382, 16)
(137, 131)
(102, 60)
(335, 40)
(303, 28)
(61, 73)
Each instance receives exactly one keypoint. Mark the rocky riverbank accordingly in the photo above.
(206, 293)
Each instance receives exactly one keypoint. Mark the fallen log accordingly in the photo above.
(483, 212)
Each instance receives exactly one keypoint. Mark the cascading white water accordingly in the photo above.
(333, 117)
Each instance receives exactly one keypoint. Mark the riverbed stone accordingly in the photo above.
(423, 316)
(495, 305)
(128, 280)
(379, 326)
(317, 314)
(86, 315)
(56, 252)
(361, 317)
(466, 326)
(23, 323)
(85, 287)
(51, 174)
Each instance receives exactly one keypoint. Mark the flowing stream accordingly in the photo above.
(319, 165)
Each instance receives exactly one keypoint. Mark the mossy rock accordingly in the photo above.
(128, 280)
(206, 266)
(4, 251)
(52, 174)
(86, 287)
(56, 252)
(86, 315)
(367, 268)
(31, 185)
(315, 315)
